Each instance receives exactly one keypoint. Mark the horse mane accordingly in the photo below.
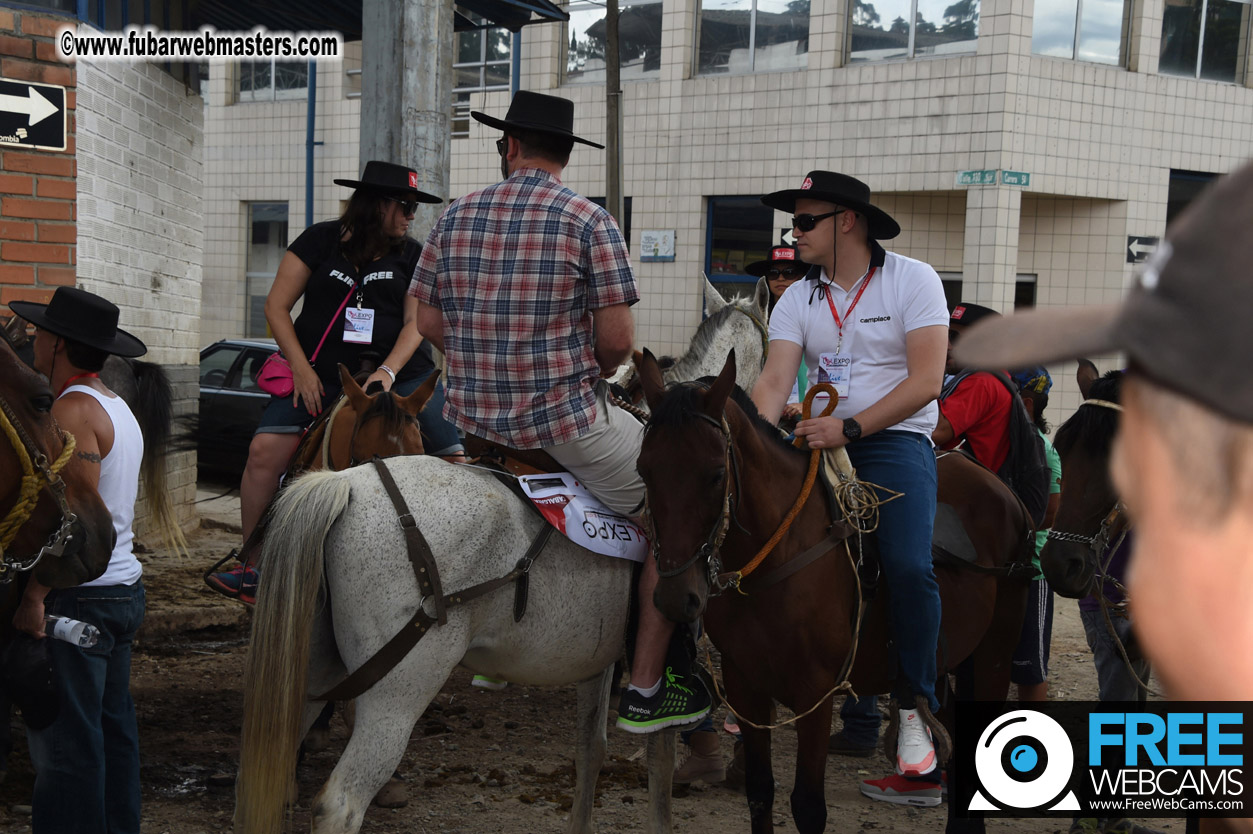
(684, 401)
(1093, 428)
(386, 409)
(705, 335)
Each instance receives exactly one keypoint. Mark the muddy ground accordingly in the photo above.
(478, 761)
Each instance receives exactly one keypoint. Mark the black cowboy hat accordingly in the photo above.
(538, 112)
(389, 178)
(842, 190)
(82, 317)
(780, 256)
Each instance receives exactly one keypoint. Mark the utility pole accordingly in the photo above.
(406, 93)
(613, 116)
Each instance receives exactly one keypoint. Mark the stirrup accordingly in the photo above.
(216, 567)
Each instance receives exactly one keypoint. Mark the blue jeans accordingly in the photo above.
(87, 761)
(861, 720)
(1114, 681)
(904, 461)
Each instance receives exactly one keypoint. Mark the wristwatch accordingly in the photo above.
(852, 429)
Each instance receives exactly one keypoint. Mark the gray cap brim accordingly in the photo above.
(1038, 337)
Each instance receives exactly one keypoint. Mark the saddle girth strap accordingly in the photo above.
(804, 560)
(395, 650)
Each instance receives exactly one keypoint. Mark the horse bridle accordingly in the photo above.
(37, 475)
(357, 423)
(712, 546)
(1103, 542)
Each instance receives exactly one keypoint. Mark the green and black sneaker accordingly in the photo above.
(680, 700)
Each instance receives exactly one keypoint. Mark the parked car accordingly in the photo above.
(230, 402)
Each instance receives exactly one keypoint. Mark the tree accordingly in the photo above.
(900, 26)
(962, 20)
(864, 14)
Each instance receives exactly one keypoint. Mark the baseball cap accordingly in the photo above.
(1184, 324)
(967, 314)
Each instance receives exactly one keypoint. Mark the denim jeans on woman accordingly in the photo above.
(904, 461)
(87, 761)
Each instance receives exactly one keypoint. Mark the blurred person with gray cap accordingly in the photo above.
(1183, 458)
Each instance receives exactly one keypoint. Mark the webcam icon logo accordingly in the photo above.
(1024, 761)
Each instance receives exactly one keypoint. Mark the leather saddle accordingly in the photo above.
(515, 461)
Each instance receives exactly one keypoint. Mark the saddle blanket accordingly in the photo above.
(575, 512)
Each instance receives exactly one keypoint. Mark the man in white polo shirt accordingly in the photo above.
(874, 324)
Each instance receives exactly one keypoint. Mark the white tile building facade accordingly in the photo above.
(1102, 143)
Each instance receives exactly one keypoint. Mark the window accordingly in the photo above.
(1205, 38)
(1184, 188)
(1024, 290)
(740, 230)
(271, 80)
(639, 41)
(1083, 30)
(882, 31)
(482, 62)
(753, 36)
(267, 241)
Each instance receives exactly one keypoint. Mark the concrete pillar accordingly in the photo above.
(406, 93)
(1144, 46)
(990, 261)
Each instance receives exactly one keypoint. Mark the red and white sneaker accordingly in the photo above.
(901, 791)
(915, 752)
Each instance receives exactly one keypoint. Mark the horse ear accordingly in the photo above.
(358, 398)
(651, 380)
(713, 299)
(761, 297)
(416, 401)
(716, 397)
(1086, 374)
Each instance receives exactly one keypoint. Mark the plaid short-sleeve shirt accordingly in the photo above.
(517, 269)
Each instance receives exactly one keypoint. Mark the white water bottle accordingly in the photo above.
(81, 634)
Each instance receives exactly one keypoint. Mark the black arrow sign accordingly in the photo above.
(32, 115)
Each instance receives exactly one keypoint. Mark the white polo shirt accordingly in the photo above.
(903, 295)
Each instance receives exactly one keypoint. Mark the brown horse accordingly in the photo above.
(52, 521)
(707, 461)
(1090, 519)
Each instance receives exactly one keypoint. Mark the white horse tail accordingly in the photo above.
(276, 674)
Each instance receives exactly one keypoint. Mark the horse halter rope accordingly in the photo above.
(37, 474)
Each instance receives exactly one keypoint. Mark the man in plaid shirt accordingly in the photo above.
(527, 288)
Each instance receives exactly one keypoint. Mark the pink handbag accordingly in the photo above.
(275, 376)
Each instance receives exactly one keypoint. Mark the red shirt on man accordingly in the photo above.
(978, 411)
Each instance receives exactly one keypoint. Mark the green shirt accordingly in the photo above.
(1055, 486)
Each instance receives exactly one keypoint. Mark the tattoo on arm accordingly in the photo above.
(90, 457)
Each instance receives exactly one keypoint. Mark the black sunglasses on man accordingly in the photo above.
(807, 222)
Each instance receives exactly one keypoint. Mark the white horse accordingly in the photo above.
(307, 632)
(741, 324)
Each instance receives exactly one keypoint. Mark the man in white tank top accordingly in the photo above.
(87, 760)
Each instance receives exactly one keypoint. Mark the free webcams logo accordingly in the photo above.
(1024, 760)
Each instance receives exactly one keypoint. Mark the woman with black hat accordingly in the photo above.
(353, 274)
(782, 269)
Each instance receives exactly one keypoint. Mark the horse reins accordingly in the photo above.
(37, 474)
(720, 582)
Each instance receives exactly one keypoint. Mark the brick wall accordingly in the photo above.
(38, 211)
(117, 213)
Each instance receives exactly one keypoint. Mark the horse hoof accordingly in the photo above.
(392, 795)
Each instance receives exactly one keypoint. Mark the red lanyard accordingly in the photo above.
(848, 315)
(70, 381)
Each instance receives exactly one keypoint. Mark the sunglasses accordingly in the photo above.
(502, 145)
(789, 274)
(807, 222)
(407, 206)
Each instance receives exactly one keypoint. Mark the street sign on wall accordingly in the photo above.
(32, 115)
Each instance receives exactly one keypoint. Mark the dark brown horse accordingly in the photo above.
(1090, 519)
(787, 641)
(52, 521)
